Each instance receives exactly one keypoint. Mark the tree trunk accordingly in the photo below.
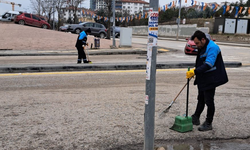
(109, 14)
(75, 9)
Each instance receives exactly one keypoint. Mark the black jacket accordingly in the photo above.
(210, 70)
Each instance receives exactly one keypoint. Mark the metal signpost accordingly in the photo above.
(149, 120)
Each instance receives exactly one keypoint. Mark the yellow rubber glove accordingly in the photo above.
(190, 74)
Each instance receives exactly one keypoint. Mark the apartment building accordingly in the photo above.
(134, 6)
(68, 12)
(129, 6)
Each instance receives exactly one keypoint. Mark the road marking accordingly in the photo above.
(245, 64)
(86, 72)
(161, 49)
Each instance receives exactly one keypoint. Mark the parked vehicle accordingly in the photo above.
(64, 28)
(191, 48)
(97, 29)
(9, 16)
(31, 19)
(117, 32)
(43, 18)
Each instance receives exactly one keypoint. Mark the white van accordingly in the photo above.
(9, 15)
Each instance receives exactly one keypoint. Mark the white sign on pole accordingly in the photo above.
(152, 38)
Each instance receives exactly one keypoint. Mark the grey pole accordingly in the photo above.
(149, 119)
(39, 5)
(113, 9)
(179, 20)
(53, 14)
(149, 115)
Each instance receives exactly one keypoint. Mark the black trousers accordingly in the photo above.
(81, 53)
(206, 97)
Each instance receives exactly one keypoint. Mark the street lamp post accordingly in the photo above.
(179, 20)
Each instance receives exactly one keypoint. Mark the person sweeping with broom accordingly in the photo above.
(82, 40)
(209, 73)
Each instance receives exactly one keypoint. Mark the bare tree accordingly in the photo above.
(47, 9)
(36, 6)
(43, 7)
(59, 4)
(109, 7)
(75, 4)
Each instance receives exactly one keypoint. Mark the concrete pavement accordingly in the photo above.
(51, 65)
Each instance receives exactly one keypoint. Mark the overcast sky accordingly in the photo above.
(26, 5)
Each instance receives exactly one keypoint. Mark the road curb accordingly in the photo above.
(100, 67)
(118, 52)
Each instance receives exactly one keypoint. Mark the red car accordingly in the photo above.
(191, 48)
(31, 19)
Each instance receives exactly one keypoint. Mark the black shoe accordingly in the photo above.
(85, 61)
(195, 120)
(79, 61)
(205, 126)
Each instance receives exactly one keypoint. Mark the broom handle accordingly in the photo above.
(187, 94)
(87, 55)
(179, 92)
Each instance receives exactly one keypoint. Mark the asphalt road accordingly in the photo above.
(104, 110)
(170, 55)
(230, 51)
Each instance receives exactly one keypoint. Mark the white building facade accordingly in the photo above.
(129, 6)
(134, 7)
(68, 13)
(100, 4)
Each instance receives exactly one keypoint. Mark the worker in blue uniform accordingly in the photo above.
(209, 73)
(82, 40)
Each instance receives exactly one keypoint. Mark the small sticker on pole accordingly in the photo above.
(146, 100)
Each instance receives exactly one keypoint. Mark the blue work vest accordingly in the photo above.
(210, 70)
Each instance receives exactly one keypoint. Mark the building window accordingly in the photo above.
(124, 7)
(128, 7)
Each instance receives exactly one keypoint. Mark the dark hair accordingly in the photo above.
(88, 30)
(199, 35)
